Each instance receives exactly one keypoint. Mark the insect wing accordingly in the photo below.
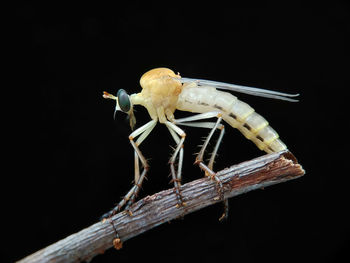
(243, 89)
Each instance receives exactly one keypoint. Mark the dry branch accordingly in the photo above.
(154, 210)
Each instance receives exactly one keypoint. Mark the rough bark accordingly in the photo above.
(156, 209)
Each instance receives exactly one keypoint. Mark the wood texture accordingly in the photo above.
(154, 210)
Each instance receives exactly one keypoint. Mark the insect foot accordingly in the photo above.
(180, 202)
(106, 216)
(212, 176)
(219, 186)
(111, 213)
(179, 205)
(128, 211)
(224, 215)
(117, 243)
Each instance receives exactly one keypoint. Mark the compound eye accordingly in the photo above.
(123, 100)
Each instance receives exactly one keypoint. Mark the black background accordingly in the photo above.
(69, 161)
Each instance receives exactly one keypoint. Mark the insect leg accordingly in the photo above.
(218, 142)
(212, 125)
(136, 189)
(176, 177)
(201, 116)
(208, 125)
(143, 132)
(120, 204)
(210, 166)
(199, 160)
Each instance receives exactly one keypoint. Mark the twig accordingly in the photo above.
(154, 210)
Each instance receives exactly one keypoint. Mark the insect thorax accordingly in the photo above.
(160, 89)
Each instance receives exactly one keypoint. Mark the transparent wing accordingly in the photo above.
(242, 89)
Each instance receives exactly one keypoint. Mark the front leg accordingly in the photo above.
(130, 197)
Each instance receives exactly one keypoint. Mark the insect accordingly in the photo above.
(163, 92)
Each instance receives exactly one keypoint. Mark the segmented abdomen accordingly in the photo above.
(235, 112)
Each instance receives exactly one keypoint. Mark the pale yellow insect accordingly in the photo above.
(163, 92)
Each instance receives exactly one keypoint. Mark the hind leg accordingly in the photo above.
(208, 169)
